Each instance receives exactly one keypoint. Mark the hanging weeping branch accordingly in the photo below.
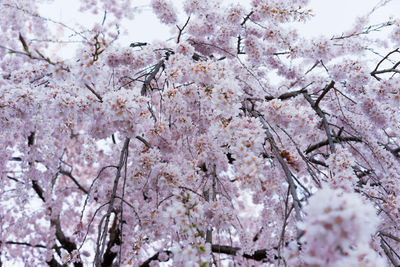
(278, 155)
(102, 235)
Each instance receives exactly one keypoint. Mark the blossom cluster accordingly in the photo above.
(338, 227)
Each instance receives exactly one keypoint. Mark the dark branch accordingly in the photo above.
(138, 44)
(388, 252)
(324, 120)
(288, 94)
(54, 263)
(336, 139)
(51, 263)
(24, 244)
(141, 139)
(109, 256)
(67, 244)
(258, 255)
(324, 92)
(31, 139)
(394, 151)
(102, 234)
(317, 162)
(68, 174)
(94, 92)
(151, 76)
(246, 18)
(64, 241)
(38, 190)
(390, 236)
(393, 69)
(181, 30)
(155, 258)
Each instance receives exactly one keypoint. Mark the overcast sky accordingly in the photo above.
(335, 16)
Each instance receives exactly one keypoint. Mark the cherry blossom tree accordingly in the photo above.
(236, 143)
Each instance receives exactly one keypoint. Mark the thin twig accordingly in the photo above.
(141, 139)
(69, 174)
(178, 39)
(375, 71)
(94, 92)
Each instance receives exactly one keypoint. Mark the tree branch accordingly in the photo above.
(324, 92)
(144, 141)
(335, 139)
(109, 256)
(51, 263)
(151, 76)
(281, 161)
(94, 92)
(388, 253)
(69, 174)
(288, 94)
(258, 255)
(366, 30)
(155, 258)
(24, 244)
(390, 236)
(54, 263)
(138, 44)
(375, 71)
(181, 30)
(64, 241)
(324, 120)
(103, 234)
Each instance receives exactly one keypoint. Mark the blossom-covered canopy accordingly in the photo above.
(236, 143)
